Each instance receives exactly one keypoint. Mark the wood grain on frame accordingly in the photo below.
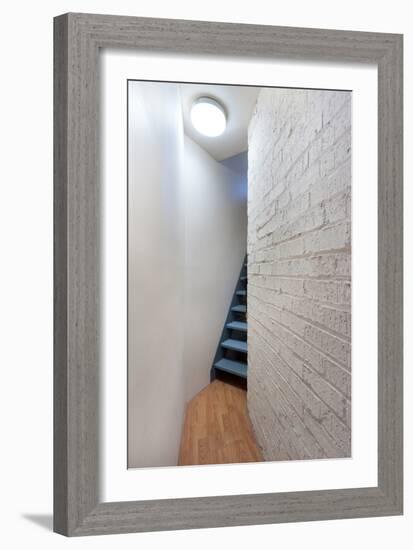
(77, 507)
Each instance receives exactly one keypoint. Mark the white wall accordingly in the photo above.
(299, 273)
(187, 242)
(155, 270)
(215, 246)
(27, 290)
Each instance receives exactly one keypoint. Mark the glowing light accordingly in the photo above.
(208, 117)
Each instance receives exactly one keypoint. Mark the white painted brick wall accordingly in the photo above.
(299, 273)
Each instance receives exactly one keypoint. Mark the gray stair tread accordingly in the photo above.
(238, 325)
(240, 308)
(241, 292)
(233, 367)
(236, 345)
(244, 278)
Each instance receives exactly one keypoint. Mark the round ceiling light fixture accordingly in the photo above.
(208, 117)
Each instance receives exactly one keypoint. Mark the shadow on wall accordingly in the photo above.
(42, 520)
(239, 165)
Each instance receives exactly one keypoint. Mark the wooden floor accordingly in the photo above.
(217, 428)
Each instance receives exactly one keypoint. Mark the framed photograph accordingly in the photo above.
(228, 274)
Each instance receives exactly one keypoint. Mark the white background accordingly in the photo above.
(26, 274)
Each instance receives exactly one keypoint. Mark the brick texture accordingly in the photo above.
(299, 273)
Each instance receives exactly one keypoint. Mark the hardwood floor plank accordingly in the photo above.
(217, 428)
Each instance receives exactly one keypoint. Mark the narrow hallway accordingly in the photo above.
(217, 428)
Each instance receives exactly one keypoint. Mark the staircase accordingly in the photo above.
(232, 352)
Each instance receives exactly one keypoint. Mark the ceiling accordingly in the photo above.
(239, 103)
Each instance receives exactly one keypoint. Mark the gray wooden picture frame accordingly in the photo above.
(77, 506)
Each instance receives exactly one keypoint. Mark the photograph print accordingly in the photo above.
(239, 274)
